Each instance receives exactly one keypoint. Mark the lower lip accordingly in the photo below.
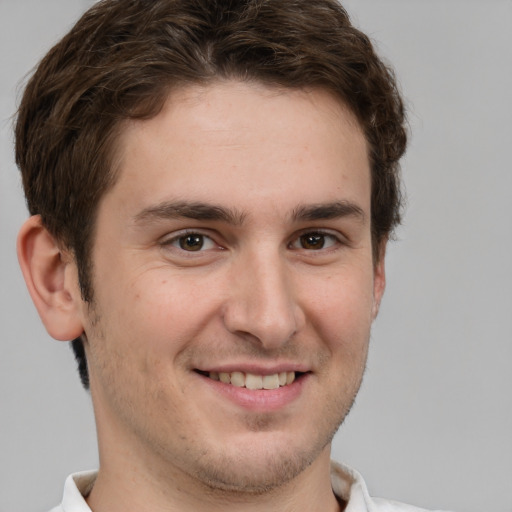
(259, 400)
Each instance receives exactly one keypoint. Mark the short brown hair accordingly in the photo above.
(123, 57)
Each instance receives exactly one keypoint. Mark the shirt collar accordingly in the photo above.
(76, 489)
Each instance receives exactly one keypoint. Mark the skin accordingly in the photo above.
(283, 279)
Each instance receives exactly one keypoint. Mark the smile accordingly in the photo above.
(252, 381)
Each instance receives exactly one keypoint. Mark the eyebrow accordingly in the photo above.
(190, 210)
(325, 211)
(211, 212)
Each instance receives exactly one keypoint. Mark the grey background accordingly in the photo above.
(433, 422)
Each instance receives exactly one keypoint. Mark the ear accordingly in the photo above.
(52, 280)
(379, 278)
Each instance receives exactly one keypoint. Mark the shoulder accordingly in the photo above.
(348, 485)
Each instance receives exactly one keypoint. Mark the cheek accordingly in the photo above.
(161, 312)
(341, 313)
(344, 299)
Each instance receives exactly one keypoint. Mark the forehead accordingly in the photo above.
(210, 141)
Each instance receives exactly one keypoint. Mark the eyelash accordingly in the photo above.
(335, 240)
(178, 240)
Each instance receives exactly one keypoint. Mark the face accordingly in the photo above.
(234, 287)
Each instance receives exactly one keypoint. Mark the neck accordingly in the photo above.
(122, 485)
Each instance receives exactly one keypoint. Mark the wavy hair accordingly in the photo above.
(123, 57)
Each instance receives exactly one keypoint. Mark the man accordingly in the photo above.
(212, 186)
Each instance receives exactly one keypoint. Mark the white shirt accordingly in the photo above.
(347, 484)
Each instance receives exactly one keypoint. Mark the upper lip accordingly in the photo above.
(255, 368)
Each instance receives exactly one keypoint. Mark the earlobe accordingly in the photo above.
(379, 279)
(51, 278)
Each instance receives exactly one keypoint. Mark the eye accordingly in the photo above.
(192, 242)
(314, 241)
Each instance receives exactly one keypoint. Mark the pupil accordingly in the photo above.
(313, 241)
(191, 242)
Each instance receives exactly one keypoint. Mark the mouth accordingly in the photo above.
(253, 381)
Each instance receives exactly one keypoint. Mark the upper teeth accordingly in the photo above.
(251, 381)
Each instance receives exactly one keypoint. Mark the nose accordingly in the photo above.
(262, 304)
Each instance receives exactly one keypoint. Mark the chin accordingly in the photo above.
(260, 466)
(253, 477)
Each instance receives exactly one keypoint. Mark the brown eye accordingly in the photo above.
(315, 241)
(312, 241)
(192, 242)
